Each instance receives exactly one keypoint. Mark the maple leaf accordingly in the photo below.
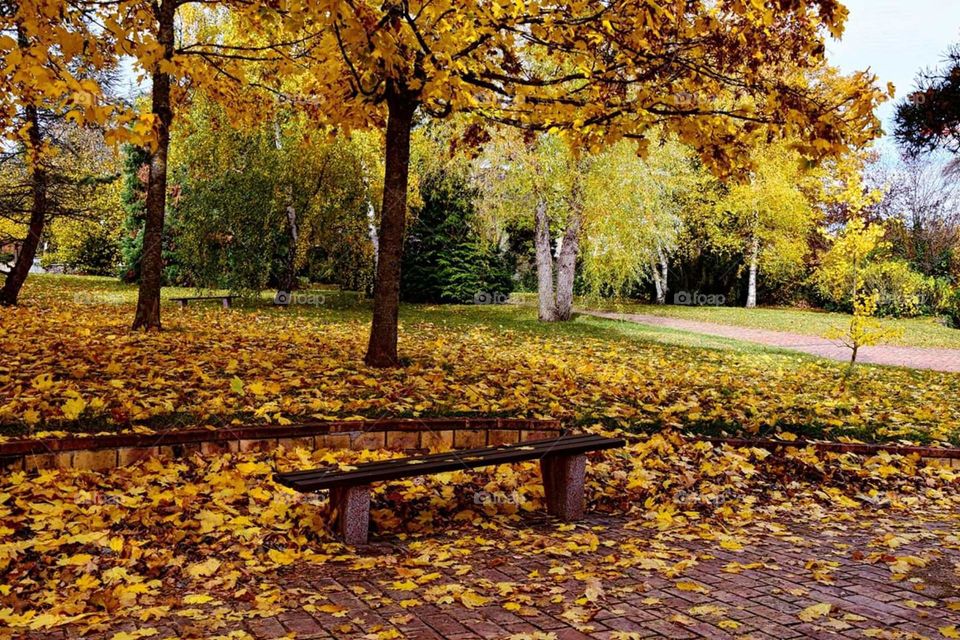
(73, 408)
(692, 586)
(203, 569)
(471, 599)
(814, 612)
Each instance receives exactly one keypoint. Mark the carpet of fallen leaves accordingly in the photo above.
(71, 364)
(207, 541)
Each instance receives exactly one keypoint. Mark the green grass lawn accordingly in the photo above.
(329, 304)
(917, 332)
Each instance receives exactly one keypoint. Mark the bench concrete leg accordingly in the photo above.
(182, 304)
(352, 506)
(226, 303)
(563, 484)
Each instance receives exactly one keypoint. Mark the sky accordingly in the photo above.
(896, 39)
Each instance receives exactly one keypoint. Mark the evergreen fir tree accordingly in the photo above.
(444, 260)
(133, 195)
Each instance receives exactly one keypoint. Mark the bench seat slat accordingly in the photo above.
(536, 444)
(451, 461)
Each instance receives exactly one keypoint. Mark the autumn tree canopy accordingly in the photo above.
(52, 69)
(720, 75)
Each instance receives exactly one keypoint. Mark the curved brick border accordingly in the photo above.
(98, 452)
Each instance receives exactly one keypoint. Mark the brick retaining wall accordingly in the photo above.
(98, 452)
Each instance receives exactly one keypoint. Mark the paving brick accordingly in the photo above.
(333, 441)
(503, 436)
(95, 460)
(368, 440)
(258, 445)
(131, 455)
(216, 448)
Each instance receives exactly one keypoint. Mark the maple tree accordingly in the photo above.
(205, 52)
(602, 70)
(864, 329)
(842, 273)
(45, 89)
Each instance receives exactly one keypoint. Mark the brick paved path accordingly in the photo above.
(912, 357)
(784, 568)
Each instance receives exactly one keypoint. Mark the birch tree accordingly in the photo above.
(537, 181)
(636, 208)
(767, 218)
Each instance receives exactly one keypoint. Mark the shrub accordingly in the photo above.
(97, 255)
(951, 308)
(901, 291)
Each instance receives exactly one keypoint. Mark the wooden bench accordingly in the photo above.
(183, 300)
(562, 466)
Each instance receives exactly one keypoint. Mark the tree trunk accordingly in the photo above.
(288, 281)
(290, 276)
(38, 214)
(151, 264)
(661, 294)
(752, 280)
(567, 262)
(382, 350)
(664, 274)
(545, 300)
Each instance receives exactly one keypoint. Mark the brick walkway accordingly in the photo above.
(758, 592)
(912, 357)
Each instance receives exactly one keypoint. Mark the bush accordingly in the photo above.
(859, 255)
(951, 308)
(97, 255)
(902, 291)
